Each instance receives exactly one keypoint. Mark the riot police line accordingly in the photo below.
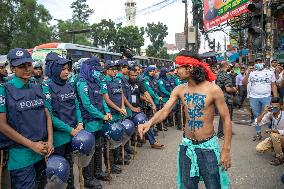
(86, 116)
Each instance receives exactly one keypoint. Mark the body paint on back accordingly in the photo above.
(197, 102)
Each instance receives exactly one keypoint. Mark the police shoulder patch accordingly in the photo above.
(47, 96)
(86, 89)
(2, 100)
(104, 86)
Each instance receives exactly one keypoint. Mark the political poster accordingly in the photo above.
(219, 11)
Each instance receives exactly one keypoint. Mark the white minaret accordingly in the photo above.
(130, 10)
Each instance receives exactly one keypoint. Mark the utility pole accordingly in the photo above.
(186, 25)
(225, 48)
(268, 29)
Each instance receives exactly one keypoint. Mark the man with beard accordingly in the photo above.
(138, 90)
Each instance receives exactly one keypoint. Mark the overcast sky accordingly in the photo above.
(172, 15)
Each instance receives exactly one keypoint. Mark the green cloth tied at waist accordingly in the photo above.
(211, 144)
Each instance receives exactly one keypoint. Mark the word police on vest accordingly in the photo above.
(31, 104)
(67, 96)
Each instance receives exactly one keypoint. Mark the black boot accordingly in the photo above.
(115, 169)
(93, 184)
(70, 180)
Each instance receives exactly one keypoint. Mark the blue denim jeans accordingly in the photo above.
(150, 136)
(257, 106)
(208, 169)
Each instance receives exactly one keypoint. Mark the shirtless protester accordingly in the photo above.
(199, 156)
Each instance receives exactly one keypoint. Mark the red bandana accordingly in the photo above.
(188, 61)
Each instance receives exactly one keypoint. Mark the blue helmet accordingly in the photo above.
(83, 142)
(139, 118)
(128, 126)
(113, 131)
(57, 171)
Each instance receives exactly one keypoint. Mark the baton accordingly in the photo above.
(122, 153)
(108, 162)
(80, 175)
(1, 167)
(162, 123)
(135, 144)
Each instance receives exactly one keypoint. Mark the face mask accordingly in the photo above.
(259, 66)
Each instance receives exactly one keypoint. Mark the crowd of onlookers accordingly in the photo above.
(259, 88)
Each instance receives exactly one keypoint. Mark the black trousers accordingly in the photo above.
(242, 95)
(220, 132)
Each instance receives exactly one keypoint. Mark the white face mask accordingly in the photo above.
(259, 66)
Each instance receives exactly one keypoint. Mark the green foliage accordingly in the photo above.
(81, 11)
(80, 15)
(23, 24)
(103, 33)
(157, 34)
(130, 36)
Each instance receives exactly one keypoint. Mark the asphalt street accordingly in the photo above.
(156, 169)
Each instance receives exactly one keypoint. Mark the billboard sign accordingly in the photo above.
(219, 11)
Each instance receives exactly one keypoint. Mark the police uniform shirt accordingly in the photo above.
(151, 91)
(163, 89)
(61, 132)
(83, 92)
(19, 157)
(120, 76)
(118, 116)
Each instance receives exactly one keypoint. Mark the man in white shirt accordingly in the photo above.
(261, 82)
(275, 115)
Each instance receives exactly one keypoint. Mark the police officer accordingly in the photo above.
(26, 129)
(50, 57)
(3, 70)
(122, 74)
(5, 180)
(175, 81)
(73, 76)
(64, 109)
(165, 89)
(138, 90)
(94, 112)
(38, 72)
(113, 95)
(151, 84)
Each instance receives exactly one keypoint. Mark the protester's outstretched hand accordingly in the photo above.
(143, 128)
(225, 159)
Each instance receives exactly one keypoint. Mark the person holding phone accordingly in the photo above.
(273, 114)
(261, 83)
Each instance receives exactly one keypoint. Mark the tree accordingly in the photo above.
(81, 11)
(23, 24)
(157, 34)
(80, 15)
(63, 27)
(130, 36)
(103, 33)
